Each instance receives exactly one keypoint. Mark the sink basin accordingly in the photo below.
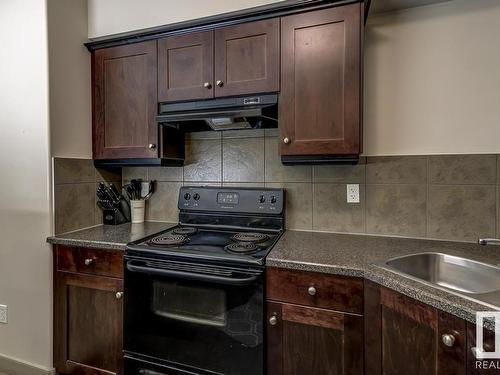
(451, 272)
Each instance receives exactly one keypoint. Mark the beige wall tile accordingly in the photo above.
(162, 206)
(166, 174)
(131, 173)
(243, 184)
(108, 175)
(298, 204)
(350, 174)
(72, 171)
(203, 160)
(396, 209)
(498, 169)
(243, 133)
(462, 169)
(210, 134)
(396, 170)
(74, 206)
(461, 212)
(498, 212)
(331, 212)
(277, 172)
(243, 159)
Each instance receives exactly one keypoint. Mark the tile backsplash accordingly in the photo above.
(75, 184)
(447, 197)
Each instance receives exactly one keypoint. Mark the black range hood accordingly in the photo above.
(248, 112)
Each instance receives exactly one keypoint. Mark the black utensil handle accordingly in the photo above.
(191, 275)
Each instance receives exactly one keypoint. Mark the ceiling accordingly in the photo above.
(383, 6)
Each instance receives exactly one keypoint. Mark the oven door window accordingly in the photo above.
(205, 326)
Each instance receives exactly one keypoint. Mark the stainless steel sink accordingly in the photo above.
(450, 272)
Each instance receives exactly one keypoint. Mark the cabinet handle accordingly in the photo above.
(119, 295)
(219, 83)
(207, 85)
(152, 146)
(311, 291)
(448, 339)
(286, 140)
(273, 320)
(89, 261)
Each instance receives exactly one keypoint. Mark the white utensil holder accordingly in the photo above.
(138, 208)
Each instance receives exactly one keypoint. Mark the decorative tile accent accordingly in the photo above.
(277, 172)
(396, 210)
(73, 171)
(162, 206)
(74, 206)
(332, 213)
(463, 169)
(243, 160)
(298, 204)
(203, 160)
(396, 170)
(461, 212)
(351, 174)
(166, 174)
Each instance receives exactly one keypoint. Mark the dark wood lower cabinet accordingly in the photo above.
(307, 340)
(404, 336)
(88, 313)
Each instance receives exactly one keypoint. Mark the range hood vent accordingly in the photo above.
(249, 112)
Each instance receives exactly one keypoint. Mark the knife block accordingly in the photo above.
(113, 217)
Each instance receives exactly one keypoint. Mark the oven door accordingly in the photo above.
(201, 318)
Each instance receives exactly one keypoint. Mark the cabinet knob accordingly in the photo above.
(311, 291)
(119, 295)
(273, 320)
(89, 261)
(207, 85)
(448, 339)
(152, 146)
(219, 83)
(286, 140)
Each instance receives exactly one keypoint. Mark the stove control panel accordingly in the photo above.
(242, 200)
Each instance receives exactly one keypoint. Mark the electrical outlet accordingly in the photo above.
(352, 193)
(3, 314)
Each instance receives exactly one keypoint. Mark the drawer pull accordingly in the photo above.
(119, 295)
(89, 261)
(311, 291)
(273, 320)
(448, 339)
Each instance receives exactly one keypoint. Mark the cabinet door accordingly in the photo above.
(306, 340)
(406, 336)
(185, 67)
(88, 319)
(247, 58)
(124, 103)
(320, 103)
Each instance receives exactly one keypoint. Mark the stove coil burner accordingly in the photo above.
(185, 231)
(168, 240)
(242, 247)
(250, 237)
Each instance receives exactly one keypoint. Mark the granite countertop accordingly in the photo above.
(361, 255)
(109, 236)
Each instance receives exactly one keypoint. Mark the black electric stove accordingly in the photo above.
(194, 294)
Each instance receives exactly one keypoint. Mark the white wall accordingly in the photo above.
(432, 80)
(108, 17)
(69, 68)
(25, 217)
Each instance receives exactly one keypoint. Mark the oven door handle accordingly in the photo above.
(191, 275)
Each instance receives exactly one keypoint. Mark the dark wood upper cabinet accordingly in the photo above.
(247, 58)
(321, 62)
(402, 334)
(185, 67)
(125, 101)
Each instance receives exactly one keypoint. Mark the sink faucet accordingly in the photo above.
(488, 241)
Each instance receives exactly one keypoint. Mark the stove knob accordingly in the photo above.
(196, 196)
(273, 199)
(262, 199)
(187, 196)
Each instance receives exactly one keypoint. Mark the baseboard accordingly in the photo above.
(13, 366)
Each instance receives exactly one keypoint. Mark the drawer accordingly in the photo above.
(90, 261)
(314, 289)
